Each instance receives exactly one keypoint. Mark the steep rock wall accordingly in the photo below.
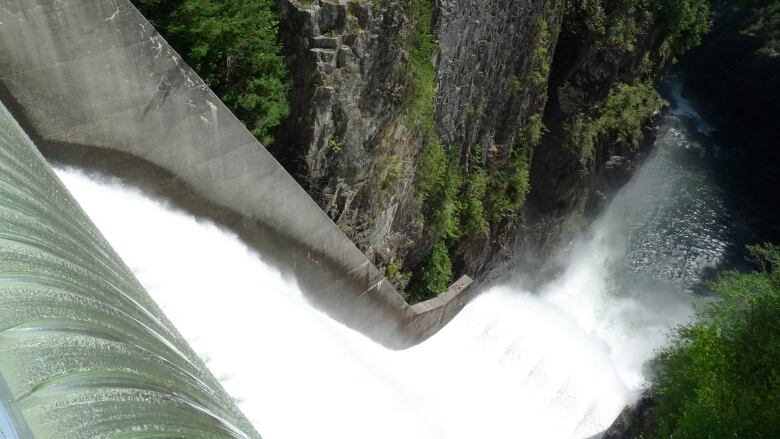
(567, 184)
(347, 141)
(351, 141)
(499, 66)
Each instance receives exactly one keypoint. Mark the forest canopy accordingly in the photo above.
(233, 45)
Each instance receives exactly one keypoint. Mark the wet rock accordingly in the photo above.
(636, 421)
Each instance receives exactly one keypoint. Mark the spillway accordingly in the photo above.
(558, 362)
(84, 351)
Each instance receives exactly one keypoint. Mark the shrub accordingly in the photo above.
(233, 46)
(472, 208)
(624, 113)
(627, 108)
(541, 56)
(720, 376)
(619, 23)
(434, 276)
(439, 180)
(509, 186)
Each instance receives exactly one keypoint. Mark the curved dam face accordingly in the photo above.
(95, 85)
(84, 351)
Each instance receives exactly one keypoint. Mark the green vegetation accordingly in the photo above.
(472, 209)
(394, 273)
(620, 26)
(625, 111)
(620, 23)
(466, 207)
(438, 173)
(720, 377)
(390, 175)
(510, 184)
(541, 60)
(765, 22)
(422, 45)
(232, 45)
(439, 179)
(434, 275)
(760, 18)
(514, 84)
(334, 144)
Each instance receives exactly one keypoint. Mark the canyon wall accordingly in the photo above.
(509, 80)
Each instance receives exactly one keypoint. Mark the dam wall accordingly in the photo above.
(84, 351)
(95, 85)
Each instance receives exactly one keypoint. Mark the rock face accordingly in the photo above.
(484, 46)
(565, 184)
(493, 66)
(636, 421)
(346, 141)
(500, 66)
(349, 141)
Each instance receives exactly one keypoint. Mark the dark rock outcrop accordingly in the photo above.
(346, 141)
(636, 421)
(353, 145)
(735, 74)
(567, 185)
(349, 141)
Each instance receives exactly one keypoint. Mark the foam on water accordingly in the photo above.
(557, 363)
(683, 107)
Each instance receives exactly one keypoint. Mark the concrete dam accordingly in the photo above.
(161, 275)
(85, 351)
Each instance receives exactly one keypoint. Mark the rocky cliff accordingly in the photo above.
(356, 140)
(415, 124)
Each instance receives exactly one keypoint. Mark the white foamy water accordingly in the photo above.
(559, 363)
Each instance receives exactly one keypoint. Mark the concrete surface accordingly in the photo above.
(95, 85)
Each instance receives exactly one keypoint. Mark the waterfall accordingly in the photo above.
(559, 362)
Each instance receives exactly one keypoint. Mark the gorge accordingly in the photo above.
(559, 361)
(412, 218)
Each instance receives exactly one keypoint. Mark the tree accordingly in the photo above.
(233, 46)
(720, 377)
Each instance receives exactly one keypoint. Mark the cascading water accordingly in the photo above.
(557, 363)
(84, 351)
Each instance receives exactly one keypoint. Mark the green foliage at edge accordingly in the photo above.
(233, 45)
(619, 23)
(510, 184)
(720, 377)
(438, 173)
(461, 204)
(760, 18)
(435, 274)
(625, 111)
(472, 209)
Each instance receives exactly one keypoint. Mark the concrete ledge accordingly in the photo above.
(93, 75)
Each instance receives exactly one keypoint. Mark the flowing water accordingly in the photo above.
(560, 362)
(84, 351)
